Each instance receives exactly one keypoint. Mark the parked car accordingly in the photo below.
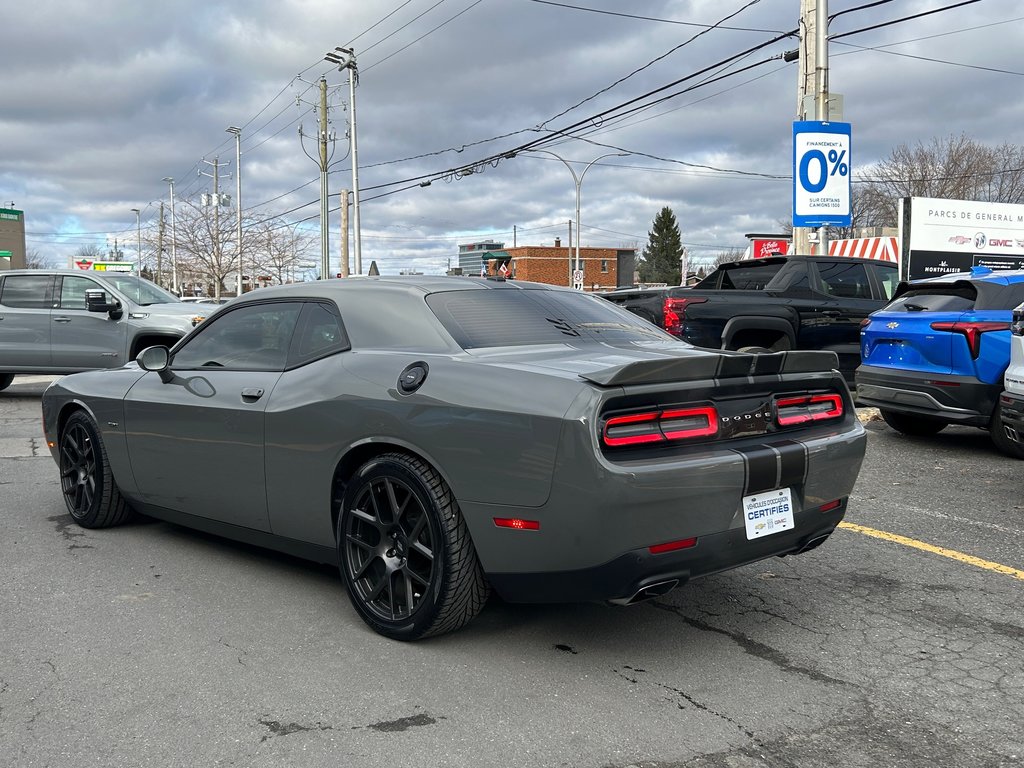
(438, 437)
(1011, 401)
(936, 355)
(773, 304)
(62, 321)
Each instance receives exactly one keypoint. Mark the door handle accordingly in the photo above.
(252, 393)
(831, 313)
(62, 319)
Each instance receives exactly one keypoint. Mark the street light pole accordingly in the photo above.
(578, 284)
(237, 132)
(138, 240)
(174, 240)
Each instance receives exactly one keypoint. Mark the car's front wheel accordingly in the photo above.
(909, 424)
(89, 489)
(404, 550)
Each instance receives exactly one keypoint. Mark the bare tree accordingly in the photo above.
(34, 259)
(956, 168)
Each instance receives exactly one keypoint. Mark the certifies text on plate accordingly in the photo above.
(767, 513)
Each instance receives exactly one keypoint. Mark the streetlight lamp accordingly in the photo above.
(138, 240)
(174, 239)
(576, 267)
(237, 133)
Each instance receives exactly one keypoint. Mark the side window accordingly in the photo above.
(27, 291)
(72, 291)
(888, 277)
(845, 280)
(251, 338)
(319, 334)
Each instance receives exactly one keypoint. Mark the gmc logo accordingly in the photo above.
(1000, 243)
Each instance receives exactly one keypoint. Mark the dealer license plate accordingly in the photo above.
(767, 513)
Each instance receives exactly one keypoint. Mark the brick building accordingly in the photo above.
(12, 238)
(604, 269)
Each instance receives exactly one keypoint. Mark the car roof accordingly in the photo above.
(412, 284)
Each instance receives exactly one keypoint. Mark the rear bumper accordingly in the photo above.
(956, 399)
(638, 575)
(1011, 412)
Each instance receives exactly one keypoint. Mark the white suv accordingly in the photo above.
(1011, 402)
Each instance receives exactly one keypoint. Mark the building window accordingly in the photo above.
(604, 265)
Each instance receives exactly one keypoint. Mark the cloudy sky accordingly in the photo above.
(103, 99)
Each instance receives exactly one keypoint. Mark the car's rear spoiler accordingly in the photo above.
(725, 365)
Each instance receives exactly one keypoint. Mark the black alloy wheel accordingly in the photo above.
(406, 557)
(91, 495)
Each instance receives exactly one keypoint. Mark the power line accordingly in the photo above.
(651, 18)
(432, 31)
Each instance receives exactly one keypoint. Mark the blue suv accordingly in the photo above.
(936, 354)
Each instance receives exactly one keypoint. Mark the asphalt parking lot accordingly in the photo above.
(897, 643)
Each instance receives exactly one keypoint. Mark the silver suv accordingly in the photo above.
(64, 321)
(1011, 401)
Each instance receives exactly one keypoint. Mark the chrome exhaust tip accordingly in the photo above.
(647, 593)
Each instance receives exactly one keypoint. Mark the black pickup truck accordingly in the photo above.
(773, 304)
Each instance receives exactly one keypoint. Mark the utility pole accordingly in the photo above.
(138, 242)
(806, 85)
(325, 247)
(349, 63)
(344, 233)
(216, 202)
(237, 133)
(821, 92)
(160, 249)
(174, 240)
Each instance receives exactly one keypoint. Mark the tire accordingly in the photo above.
(404, 551)
(5, 380)
(909, 424)
(89, 488)
(1005, 445)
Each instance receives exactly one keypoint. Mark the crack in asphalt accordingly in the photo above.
(278, 728)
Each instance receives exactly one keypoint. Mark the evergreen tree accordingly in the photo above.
(660, 261)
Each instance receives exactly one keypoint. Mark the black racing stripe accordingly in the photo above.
(762, 470)
(733, 365)
(792, 463)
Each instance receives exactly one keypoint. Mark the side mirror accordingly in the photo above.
(96, 301)
(156, 359)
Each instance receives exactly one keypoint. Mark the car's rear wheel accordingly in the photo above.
(89, 489)
(909, 424)
(405, 554)
(5, 380)
(1002, 442)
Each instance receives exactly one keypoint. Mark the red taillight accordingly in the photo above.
(864, 323)
(517, 523)
(672, 546)
(971, 331)
(830, 505)
(805, 408)
(660, 426)
(674, 310)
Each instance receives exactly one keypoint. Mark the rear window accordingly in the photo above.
(752, 278)
(26, 291)
(935, 299)
(512, 317)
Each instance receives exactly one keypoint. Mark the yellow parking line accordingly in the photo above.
(950, 553)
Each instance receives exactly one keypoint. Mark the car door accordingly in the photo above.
(25, 302)
(849, 299)
(80, 339)
(197, 441)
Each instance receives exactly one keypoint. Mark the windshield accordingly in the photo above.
(497, 318)
(139, 290)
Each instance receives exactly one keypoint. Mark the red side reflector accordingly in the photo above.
(800, 410)
(517, 523)
(672, 546)
(829, 506)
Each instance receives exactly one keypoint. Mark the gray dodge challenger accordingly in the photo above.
(440, 437)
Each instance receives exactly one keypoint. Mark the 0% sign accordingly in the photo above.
(821, 174)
